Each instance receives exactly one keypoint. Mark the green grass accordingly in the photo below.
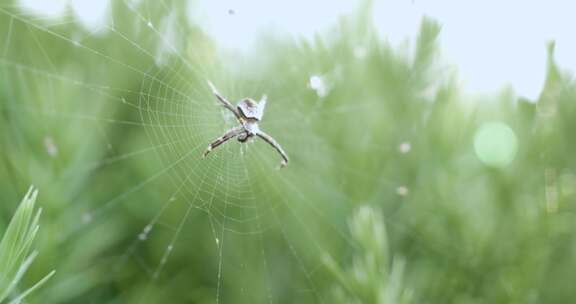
(16, 254)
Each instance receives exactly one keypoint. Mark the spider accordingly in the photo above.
(248, 113)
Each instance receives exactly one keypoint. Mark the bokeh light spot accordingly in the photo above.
(495, 144)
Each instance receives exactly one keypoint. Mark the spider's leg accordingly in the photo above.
(224, 101)
(270, 140)
(222, 139)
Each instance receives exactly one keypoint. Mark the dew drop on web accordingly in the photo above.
(144, 235)
(50, 146)
(402, 191)
(318, 84)
(405, 147)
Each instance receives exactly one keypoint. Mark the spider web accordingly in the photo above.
(250, 209)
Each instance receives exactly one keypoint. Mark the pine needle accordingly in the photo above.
(15, 255)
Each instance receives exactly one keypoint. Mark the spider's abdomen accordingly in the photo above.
(250, 109)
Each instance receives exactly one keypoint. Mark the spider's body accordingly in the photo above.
(248, 113)
(249, 109)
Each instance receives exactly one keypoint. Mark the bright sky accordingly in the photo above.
(493, 43)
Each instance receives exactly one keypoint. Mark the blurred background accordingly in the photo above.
(431, 160)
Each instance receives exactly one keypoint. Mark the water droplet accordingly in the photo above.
(402, 190)
(144, 235)
(405, 147)
(147, 229)
(50, 146)
(150, 24)
(217, 242)
(170, 248)
(318, 84)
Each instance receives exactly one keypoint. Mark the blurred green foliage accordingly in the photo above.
(134, 215)
(373, 276)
